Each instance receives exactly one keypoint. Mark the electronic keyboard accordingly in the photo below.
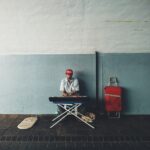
(68, 99)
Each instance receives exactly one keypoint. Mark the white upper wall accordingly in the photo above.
(74, 26)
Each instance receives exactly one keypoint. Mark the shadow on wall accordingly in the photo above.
(91, 106)
(83, 87)
(82, 83)
(125, 98)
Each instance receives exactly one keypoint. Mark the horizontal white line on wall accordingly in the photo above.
(44, 53)
(70, 52)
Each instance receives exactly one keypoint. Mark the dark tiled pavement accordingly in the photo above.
(126, 133)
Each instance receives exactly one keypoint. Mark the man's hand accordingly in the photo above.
(69, 94)
(73, 94)
(65, 94)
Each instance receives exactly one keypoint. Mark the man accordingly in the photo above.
(69, 86)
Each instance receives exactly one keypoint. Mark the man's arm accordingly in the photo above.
(76, 85)
(62, 89)
(76, 88)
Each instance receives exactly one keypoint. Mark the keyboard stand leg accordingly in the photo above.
(71, 111)
(76, 115)
(66, 110)
(59, 120)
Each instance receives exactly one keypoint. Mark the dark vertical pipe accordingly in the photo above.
(97, 79)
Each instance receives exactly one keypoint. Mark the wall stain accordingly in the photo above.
(127, 21)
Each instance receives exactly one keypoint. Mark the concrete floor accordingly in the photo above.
(126, 133)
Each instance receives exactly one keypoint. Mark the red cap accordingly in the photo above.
(69, 72)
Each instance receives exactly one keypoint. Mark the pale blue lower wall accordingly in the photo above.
(28, 80)
(133, 72)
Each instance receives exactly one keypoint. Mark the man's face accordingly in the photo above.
(69, 76)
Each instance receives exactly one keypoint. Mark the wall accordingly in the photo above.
(133, 72)
(74, 26)
(27, 81)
